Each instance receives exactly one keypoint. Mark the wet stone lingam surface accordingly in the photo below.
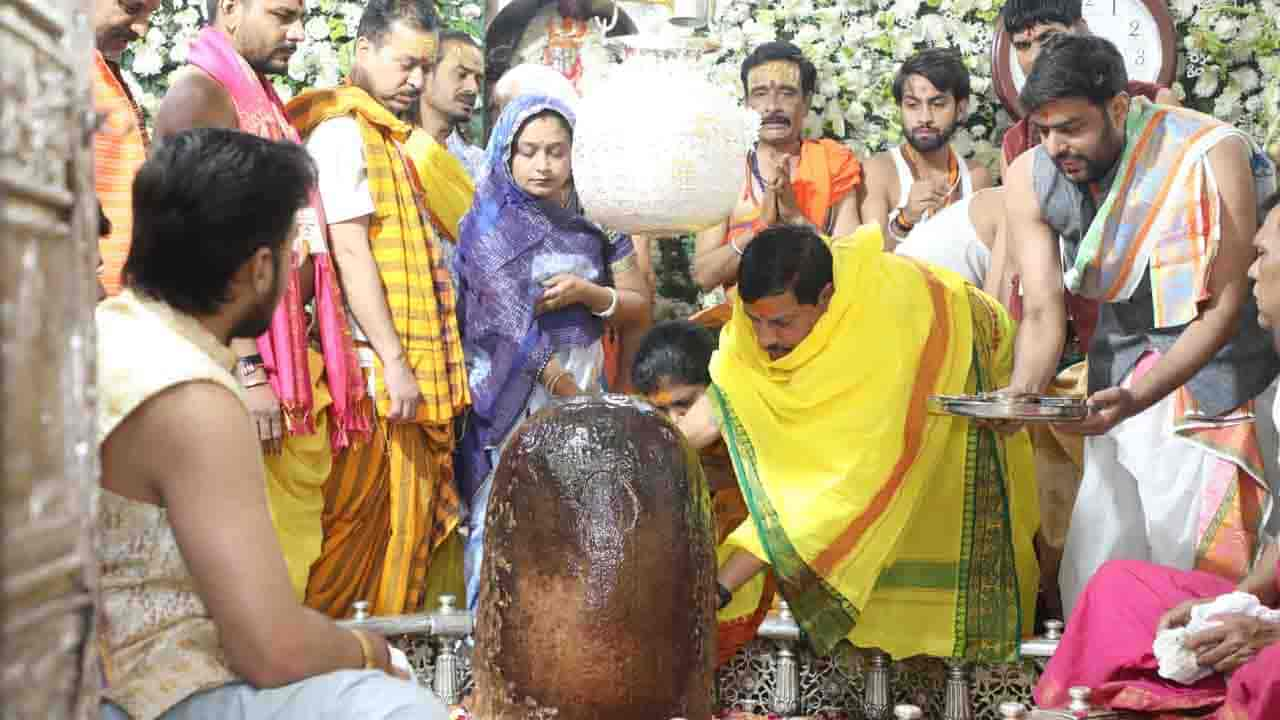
(597, 593)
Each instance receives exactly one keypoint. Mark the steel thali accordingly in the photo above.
(1024, 408)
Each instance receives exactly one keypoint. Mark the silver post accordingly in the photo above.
(783, 630)
(957, 706)
(1079, 699)
(360, 610)
(1053, 629)
(446, 677)
(877, 700)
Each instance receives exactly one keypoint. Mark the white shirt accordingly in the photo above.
(337, 148)
(949, 240)
(342, 180)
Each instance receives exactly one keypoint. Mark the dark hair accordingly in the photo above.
(1074, 66)
(779, 50)
(455, 37)
(380, 15)
(944, 67)
(104, 223)
(782, 258)
(1271, 202)
(678, 350)
(1022, 15)
(205, 202)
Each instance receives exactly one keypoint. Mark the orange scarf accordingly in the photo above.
(119, 149)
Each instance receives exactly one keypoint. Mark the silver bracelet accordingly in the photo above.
(613, 305)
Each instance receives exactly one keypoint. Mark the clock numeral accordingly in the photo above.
(1140, 57)
(1133, 28)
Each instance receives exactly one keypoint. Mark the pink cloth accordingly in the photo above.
(284, 345)
(1107, 647)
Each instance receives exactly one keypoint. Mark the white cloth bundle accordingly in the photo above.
(1177, 663)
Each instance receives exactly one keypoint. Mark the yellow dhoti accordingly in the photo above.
(390, 504)
(295, 485)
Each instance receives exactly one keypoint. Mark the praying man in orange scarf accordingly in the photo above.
(121, 142)
(883, 525)
(789, 179)
(301, 377)
(391, 504)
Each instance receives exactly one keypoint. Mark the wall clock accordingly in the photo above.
(1143, 30)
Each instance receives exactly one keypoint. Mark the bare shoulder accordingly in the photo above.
(980, 173)
(148, 451)
(876, 169)
(194, 99)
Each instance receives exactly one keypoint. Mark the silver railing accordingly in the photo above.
(451, 626)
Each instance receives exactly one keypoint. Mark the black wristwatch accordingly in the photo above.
(248, 364)
(725, 595)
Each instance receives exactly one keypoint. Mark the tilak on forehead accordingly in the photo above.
(774, 72)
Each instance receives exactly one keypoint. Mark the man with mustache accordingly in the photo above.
(1029, 23)
(391, 502)
(446, 165)
(883, 524)
(305, 400)
(908, 184)
(121, 143)
(449, 97)
(1155, 208)
(789, 179)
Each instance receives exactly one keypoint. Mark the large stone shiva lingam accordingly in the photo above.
(597, 588)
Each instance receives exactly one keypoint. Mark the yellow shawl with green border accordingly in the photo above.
(884, 524)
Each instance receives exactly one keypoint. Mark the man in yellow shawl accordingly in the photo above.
(391, 504)
(883, 524)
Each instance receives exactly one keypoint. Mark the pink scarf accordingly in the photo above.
(284, 346)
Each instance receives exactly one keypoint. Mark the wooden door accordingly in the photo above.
(48, 462)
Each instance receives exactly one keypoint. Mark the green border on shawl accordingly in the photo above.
(823, 613)
(988, 621)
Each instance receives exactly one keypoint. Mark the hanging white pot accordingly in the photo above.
(659, 148)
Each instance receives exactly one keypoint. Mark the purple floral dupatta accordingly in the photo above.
(509, 242)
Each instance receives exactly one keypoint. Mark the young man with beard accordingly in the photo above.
(390, 503)
(305, 400)
(908, 184)
(449, 97)
(1155, 208)
(446, 165)
(197, 617)
(120, 146)
(789, 179)
(1029, 23)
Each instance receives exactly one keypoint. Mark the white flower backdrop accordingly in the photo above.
(321, 61)
(1229, 56)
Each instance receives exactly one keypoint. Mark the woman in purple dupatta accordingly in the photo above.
(538, 282)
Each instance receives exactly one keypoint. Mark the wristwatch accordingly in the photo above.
(248, 364)
(725, 595)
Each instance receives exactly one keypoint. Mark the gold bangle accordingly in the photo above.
(366, 649)
(555, 380)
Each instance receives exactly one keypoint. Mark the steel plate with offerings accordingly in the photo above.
(1023, 407)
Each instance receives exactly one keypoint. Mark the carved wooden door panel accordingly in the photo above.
(48, 464)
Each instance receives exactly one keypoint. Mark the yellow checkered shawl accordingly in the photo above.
(419, 292)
